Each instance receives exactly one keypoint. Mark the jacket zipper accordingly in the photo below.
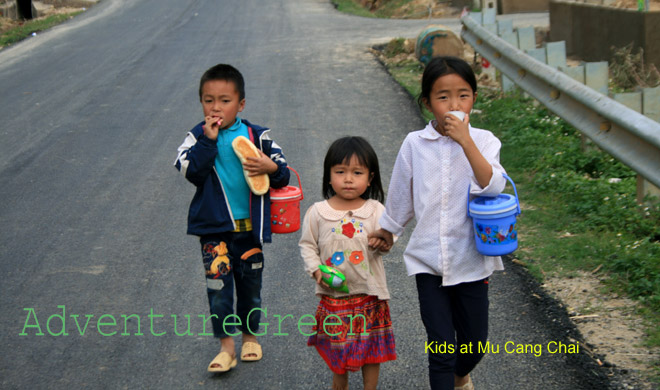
(231, 215)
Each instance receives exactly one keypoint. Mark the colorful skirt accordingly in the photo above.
(357, 331)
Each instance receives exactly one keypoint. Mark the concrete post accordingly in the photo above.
(651, 103)
(526, 38)
(597, 76)
(556, 53)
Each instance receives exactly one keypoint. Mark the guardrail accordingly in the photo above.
(626, 134)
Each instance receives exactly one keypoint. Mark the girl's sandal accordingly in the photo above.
(251, 348)
(468, 386)
(223, 361)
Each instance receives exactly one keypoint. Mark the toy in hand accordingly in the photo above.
(335, 279)
(220, 264)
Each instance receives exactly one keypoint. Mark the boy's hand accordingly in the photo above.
(212, 126)
(384, 235)
(258, 166)
(456, 129)
(318, 275)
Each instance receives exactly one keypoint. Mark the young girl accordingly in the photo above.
(430, 181)
(335, 233)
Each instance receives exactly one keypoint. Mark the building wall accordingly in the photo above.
(590, 31)
(518, 6)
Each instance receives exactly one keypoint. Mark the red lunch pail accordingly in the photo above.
(285, 207)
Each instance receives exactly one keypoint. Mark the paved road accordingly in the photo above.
(94, 213)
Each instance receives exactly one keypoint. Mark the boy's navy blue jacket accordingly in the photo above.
(209, 210)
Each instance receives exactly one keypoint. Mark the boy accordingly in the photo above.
(230, 220)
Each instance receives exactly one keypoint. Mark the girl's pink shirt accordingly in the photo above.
(339, 238)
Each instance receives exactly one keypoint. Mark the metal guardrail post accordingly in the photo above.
(627, 135)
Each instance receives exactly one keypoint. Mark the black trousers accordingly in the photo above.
(456, 321)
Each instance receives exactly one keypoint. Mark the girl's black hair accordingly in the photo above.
(224, 72)
(442, 66)
(340, 152)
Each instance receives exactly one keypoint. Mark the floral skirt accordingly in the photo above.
(357, 331)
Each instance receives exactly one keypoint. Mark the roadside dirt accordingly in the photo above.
(415, 9)
(607, 321)
(6, 24)
(426, 8)
(603, 340)
(654, 5)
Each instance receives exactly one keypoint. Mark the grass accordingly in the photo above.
(581, 210)
(26, 29)
(351, 7)
(388, 9)
(579, 205)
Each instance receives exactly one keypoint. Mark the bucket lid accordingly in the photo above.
(288, 192)
(489, 205)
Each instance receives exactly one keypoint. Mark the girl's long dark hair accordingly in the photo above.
(340, 152)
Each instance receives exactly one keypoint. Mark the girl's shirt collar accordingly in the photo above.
(365, 211)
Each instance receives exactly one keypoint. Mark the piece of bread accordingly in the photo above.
(244, 148)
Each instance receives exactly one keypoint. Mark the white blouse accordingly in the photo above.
(430, 182)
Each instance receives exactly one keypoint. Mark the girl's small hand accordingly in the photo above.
(378, 244)
(382, 234)
(318, 275)
(456, 129)
(260, 165)
(212, 126)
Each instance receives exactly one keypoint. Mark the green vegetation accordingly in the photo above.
(387, 9)
(352, 7)
(26, 29)
(390, 8)
(579, 204)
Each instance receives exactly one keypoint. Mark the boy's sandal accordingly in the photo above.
(251, 348)
(223, 361)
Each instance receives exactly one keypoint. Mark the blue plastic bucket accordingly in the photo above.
(494, 222)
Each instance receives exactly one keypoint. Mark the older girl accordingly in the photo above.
(430, 181)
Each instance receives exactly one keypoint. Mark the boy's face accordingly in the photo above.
(221, 100)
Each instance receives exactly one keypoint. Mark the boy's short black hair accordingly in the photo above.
(224, 72)
(340, 152)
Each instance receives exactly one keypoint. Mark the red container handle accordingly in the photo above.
(302, 196)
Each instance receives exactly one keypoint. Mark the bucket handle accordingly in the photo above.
(302, 196)
(514, 191)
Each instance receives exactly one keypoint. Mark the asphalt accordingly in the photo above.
(94, 213)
